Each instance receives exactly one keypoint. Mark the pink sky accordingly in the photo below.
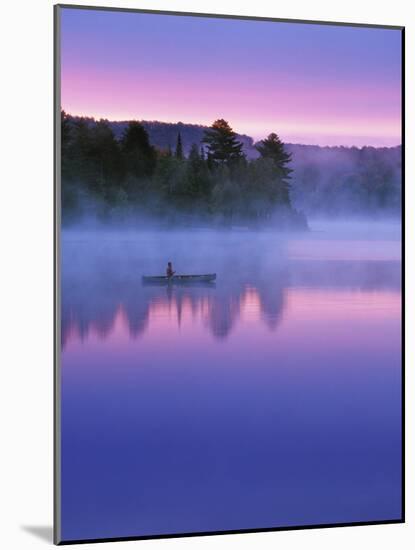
(312, 84)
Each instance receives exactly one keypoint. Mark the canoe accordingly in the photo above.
(209, 278)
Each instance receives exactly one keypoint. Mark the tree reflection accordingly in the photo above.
(92, 305)
(218, 307)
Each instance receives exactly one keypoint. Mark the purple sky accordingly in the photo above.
(317, 84)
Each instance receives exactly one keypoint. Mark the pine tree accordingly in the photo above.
(105, 154)
(197, 175)
(221, 142)
(139, 155)
(79, 151)
(179, 147)
(65, 131)
(65, 145)
(273, 148)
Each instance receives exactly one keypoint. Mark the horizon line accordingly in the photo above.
(198, 124)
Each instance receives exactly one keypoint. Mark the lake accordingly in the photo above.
(271, 398)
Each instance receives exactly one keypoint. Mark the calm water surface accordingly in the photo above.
(271, 398)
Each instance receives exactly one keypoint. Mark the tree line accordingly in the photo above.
(214, 181)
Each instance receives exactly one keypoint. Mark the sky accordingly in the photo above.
(312, 84)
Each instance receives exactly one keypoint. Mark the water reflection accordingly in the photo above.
(269, 399)
(92, 305)
(217, 308)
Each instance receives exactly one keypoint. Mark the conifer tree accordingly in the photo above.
(179, 147)
(273, 148)
(221, 142)
(139, 155)
(65, 130)
(104, 153)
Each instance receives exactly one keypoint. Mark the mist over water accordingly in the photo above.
(105, 266)
(269, 398)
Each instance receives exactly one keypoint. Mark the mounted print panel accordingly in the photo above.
(228, 274)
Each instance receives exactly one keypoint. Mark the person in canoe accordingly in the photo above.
(169, 270)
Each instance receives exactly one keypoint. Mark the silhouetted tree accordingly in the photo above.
(65, 145)
(179, 147)
(197, 175)
(139, 156)
(114, 177)
(221, 142)
(273, 148)
(81, 165)
(65, 130)
(105, 154)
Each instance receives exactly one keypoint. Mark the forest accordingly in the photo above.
(192, 174)
(213, 181)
